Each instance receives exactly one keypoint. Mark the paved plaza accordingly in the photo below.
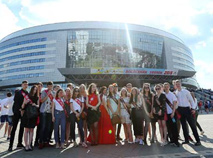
(121, 149)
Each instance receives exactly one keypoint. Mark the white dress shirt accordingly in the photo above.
(185, 99)
(172, 98)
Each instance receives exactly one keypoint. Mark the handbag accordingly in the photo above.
(37, 121)
(115, 119)
(31, 111)
(83, 115)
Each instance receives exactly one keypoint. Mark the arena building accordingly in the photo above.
(100, 52)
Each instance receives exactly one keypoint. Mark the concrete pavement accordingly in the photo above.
(121, 149)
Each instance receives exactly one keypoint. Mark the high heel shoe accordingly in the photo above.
(84, 145)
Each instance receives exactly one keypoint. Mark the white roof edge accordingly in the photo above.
(88, 25)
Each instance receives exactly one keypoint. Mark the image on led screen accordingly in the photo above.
(113, 48)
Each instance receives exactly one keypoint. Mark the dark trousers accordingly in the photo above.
(51, 130)
(45, 127)
(197, 124)
(172, 129)
(16, 118)
(186, 115)
(137, 121)
(80, 126)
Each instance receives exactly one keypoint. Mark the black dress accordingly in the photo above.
(162, 106)
(29, 123)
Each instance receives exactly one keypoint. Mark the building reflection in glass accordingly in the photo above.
(109, 48)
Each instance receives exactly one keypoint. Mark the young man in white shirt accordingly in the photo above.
(171, 104)
(4, 115)
(186, 108)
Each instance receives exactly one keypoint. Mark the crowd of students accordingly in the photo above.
(99, 115)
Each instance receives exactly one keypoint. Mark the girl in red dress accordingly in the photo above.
(106, 131)
(93, 102)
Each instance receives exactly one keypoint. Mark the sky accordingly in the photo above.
(190, 20)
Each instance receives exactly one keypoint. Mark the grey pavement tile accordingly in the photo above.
(122, 150)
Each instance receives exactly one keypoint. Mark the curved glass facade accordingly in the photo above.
(37, 53)
(114, 48)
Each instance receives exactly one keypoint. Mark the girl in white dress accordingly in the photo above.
(125, 115)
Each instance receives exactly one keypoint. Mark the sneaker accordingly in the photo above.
(51, 141)
(202, 132)
(137, 140)
(75, 144)
(197, 144)
(130, 142)
(8, 138)
(4, 136)
(141, 142)
(20, 146)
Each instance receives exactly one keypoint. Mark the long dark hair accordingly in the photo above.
(102, 89)
(90, 89)
(73, 93)
(31, 91)
(56, 96)
(136, 96)
(150, 92)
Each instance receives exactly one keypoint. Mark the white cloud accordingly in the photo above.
(8, 21)
(200, 44)
(165, 14)
(204, 73)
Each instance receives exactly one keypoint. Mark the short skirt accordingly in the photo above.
(93, 116)
(125, 117)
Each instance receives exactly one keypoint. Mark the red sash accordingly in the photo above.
(78, 101)
(50, 95)
(67, 102)
(26, 97)
(62, 105)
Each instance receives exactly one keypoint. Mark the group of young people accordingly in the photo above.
(99, 114)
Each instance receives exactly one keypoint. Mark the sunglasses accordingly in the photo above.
(146, 87)
(157, 89)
